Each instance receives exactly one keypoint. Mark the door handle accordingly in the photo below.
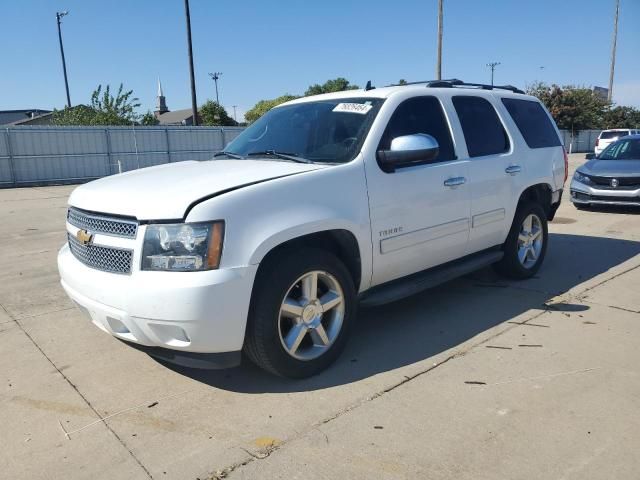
(454, 182)
(513, 169)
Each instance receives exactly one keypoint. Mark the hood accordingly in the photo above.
(166, 191)
(611, 168)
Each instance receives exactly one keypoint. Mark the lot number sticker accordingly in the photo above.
(361, 108)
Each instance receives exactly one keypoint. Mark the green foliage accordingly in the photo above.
(263, 106)
(402, 81)
(573, 108)
(149, 119)
(212, 113)
(105, 109)
(622, 117)
(336, 85)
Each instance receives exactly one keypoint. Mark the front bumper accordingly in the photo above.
(203, 312)
(583, 194)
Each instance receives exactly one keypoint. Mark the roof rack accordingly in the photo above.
(454, 82)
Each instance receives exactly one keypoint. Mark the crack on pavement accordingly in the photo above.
(86, 401)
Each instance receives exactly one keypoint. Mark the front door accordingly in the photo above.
(419, 214)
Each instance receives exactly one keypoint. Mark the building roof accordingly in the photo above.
(11, 116)
(177, 117)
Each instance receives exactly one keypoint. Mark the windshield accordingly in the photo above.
(622, 150)
(324, 131)
(613, 134)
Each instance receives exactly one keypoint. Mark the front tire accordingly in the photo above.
(302, 308)
(526, 244)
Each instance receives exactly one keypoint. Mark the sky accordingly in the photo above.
(265, 49)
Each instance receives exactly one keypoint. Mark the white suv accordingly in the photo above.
(607, 137)
(324, 202)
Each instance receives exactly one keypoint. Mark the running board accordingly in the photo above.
(416, 283)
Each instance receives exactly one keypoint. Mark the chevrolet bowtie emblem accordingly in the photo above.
(84, 237)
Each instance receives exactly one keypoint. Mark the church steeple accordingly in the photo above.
(161, 104)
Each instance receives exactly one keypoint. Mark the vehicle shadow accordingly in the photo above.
(414, 329)
(619, 209)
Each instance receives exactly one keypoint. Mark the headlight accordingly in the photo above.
(579, 177)
(183, 246)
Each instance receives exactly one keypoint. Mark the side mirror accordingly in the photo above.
(590, 156)
(408, 150)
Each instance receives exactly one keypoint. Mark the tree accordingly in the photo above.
(402, 81)
(573, 108)
(149, 119)
(212, 113)
(622, 117)
(263, 106)
(336, 85)
(105, 109)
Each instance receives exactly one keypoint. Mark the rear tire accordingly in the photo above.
(302, 308)
(526, 244)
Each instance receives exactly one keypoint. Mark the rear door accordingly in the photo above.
(492, 166)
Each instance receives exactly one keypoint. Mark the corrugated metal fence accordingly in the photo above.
(584, 140)
(54, 155)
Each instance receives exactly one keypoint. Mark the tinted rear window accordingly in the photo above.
(613, 134)
(483, 130)
(533, 122)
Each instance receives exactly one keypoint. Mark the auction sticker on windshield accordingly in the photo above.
(361, 108)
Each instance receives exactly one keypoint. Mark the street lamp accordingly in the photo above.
(215, 76)
(59, 16)
(492, 66)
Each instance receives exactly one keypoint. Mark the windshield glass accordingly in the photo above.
(324, 131)
(622, 150)
(613, 134)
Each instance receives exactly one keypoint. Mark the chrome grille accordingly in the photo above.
(107, 259)
(94, 223)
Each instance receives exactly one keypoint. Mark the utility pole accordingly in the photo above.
(215, 76)
(194, 103)
(492, 66)
(439, 61)
(613, 51)
(59, 16)
(234, 113)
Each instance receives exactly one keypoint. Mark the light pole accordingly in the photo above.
(613, 52)
(492, 66)
(439, 61)
(215, 76)
(194, 103)
(59, 16)
(235, 119)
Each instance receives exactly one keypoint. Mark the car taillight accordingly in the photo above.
(597, 141)
(566, 165)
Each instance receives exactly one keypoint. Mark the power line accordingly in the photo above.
(613, 51)
(59, 16)
(194, 103)
(215, 76)
(492, 66)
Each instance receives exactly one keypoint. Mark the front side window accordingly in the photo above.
(622, 150)
(482, 128)
(329, 131)
(420, 115)
(533, 122)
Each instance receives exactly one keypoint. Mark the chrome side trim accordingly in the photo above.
(423, 235)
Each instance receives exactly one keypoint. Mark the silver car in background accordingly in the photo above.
(611, 178)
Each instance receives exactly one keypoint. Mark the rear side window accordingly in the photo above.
(608, 135)
(483, 130)
(420, 115)
(533, 122)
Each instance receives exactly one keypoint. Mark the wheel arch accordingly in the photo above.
(340, 241)
(540, 193)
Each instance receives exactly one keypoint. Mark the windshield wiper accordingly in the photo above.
(229, 154)
(283, 155)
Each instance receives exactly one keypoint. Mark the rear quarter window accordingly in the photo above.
(532, 122)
